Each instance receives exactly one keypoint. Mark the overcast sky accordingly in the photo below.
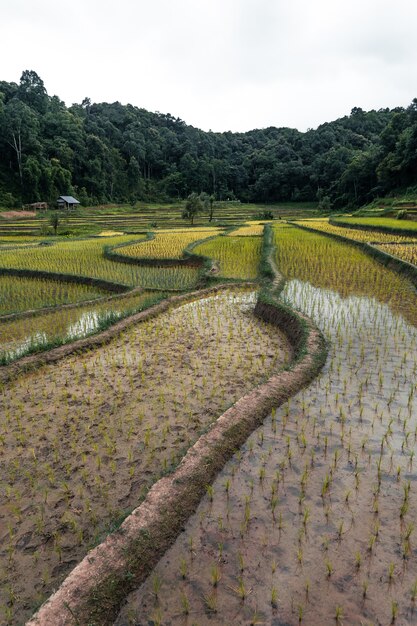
(218, 64)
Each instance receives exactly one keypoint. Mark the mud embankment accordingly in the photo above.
(93, 591)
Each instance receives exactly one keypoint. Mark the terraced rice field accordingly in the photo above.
(251, 229)
(380, 223)
(83, 439)
(328, 263)
(237, 257)
(19, 294)
(322, 225)
(26, 335)
(313, 520)
(167, 244)
(13, 246)
(405, 252)
(20, 240)
(85, 258)
(148, 217)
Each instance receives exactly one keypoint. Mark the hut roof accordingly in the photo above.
(69, 199)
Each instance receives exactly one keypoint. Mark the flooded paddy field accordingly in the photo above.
(313, 520)
(62, 325)
(82, 440)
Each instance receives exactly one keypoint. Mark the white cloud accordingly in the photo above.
(220, 64)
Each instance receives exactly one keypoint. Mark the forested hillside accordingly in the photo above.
(117, 153)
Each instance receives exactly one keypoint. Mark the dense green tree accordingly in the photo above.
(111, 152)
(32, 91)
(33, 172)
(19, 127)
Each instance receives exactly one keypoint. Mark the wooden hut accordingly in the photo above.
(35, 206)
(67, 202)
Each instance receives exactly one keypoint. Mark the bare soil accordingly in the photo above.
(12, 215)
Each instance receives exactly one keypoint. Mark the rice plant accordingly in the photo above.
(85, 257)
(238, 257)
(87, 436)
(323, 225)
(167, 244)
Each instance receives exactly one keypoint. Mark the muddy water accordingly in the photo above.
(313, 520)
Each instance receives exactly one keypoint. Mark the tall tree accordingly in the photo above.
(32, 91)
(211, 201)
(20, 127)
(192, 207)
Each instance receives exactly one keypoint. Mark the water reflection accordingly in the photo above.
(270, 528)
(22, 336)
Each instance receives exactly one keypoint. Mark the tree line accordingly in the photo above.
(121, 153)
